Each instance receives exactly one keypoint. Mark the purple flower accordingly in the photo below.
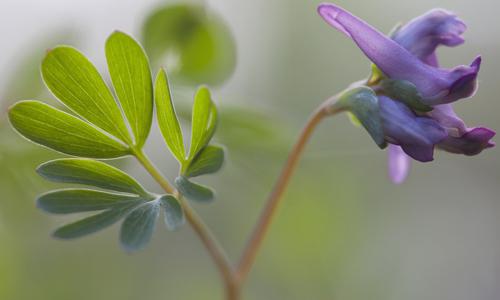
(410, 54)
(436, 85)
(415, 135)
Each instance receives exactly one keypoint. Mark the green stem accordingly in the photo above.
(208, 239)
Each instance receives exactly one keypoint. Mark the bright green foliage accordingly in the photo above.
(138, 226)
(80, 200)
(131, 76)
(209, 160)
(90, 172)
(95, 223)
(204, 121)
(167, 118)
(62, 132)
(363, 104)
(100, 131)
(173, 213)
(76, 82)
(181, 31)
(194, 191)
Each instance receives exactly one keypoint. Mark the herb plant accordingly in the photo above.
(400, 104)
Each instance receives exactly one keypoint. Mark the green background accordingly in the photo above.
(344, 231)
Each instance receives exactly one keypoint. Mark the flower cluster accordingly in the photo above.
(408, 57)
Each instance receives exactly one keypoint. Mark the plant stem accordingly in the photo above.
(209, 241)
(273, 200)
(234, 278)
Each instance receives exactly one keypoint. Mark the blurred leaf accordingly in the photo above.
(174, 215)
(90, 172)
(138, 226)
(208, 161)
(62, 132)
(363, 103)
(95, 223)
(80, 200)
(76, 82)
(167, 118)
(193, 191)
(204, 121)
(131, 76)
(201, 41)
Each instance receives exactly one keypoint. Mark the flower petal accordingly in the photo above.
(437, 86)
(422, 35)
(472, 142)
(398, 164)
(447, 118)
(416, 135)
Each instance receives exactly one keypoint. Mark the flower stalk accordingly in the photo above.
(234, 278)
(275, 197)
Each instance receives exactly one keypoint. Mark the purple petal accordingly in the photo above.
(472, 142)
(416, 135)
(437, 86)
(447, 118)
(422, 35)
(398, 164)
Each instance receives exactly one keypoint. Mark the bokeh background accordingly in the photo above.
(344, 231)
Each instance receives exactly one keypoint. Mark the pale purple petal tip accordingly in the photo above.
(398, 164)
(329, 13)
(473, 142)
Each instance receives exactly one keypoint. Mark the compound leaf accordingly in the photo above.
(209, 160)
(138, 226)
(63, 132)
(74, 80)
(90, 172)
(204, 121)
(131, 76)
(81, 200)
(173, 213)
(94, 223)
(194, 191)
(167, 118)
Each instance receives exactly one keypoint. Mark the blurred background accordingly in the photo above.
(344, 231)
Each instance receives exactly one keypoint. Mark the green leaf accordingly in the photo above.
(194, 191)
(209, 160)
(90, 172)
(131, 76)
(167, 117)
(173, 213)
(94, 223)
(404, 91)
(177, 32)
(62, 132)
(73, 79)
(80, 200)
(138, 226)
(204, 121)
(362, 102)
